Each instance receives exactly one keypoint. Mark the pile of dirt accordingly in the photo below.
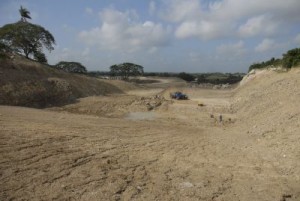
(116, 106)
(152, 102)
(268, 111)
(271, 97)
(24, 82)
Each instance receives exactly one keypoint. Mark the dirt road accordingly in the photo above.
(180, 153)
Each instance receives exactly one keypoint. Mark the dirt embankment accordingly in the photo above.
(27, 83)
(269, 102)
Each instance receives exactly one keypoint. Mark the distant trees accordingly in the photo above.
(25, 38)
(264, 64)
(187, 77)
(71, 67)
(202, 79)
(126, 69)
(219, 78)
(289, 60)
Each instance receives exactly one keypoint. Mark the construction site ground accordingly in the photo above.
(142, 145)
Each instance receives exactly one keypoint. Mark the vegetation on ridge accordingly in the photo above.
(125, 70)
(289, 60)
(70, 67)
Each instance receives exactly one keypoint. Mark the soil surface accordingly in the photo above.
(143, 146)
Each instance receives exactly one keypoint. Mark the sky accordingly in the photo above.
(164, 35)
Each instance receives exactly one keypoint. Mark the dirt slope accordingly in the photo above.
(180, 153)
(28, 83)
(270, 103)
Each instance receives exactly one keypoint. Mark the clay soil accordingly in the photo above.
(116, 148)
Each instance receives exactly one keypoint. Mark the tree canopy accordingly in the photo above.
(291, 58)
(25, 38)
(71, 67)
(126, 69)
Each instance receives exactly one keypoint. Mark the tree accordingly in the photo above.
(24, 14)
(126, 69)
(291, 58)
(71, 67)
(26, 38)
(115, 70)
(40, 57)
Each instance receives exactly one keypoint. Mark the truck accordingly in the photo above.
(178, 95)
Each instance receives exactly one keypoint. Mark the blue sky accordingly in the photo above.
(164, 35)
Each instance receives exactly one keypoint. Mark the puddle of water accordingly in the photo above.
(141, 116)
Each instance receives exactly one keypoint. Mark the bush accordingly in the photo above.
(40, 57)
(71, 67)
(291, 58)
(264, 64)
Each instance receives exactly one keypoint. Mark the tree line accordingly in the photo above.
(289, 60)
(212, 78)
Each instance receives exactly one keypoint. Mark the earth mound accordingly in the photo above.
(24, 82)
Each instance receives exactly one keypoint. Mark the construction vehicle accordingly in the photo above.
(178, 96)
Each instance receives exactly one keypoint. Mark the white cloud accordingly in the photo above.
(235, 49)
(266, 45)
(123, 31)
(263, 24)
(197, 18)
(76, 54)
(59, 54)
(178, 10)
(202, 29)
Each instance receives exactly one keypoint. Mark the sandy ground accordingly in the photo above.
(113, 148)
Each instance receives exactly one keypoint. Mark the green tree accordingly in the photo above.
(291, 58)
(265, 64)
(71, 67)
(26, 38)
(24, 14)
(40, 57)
(115, 70)
(126, 69)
